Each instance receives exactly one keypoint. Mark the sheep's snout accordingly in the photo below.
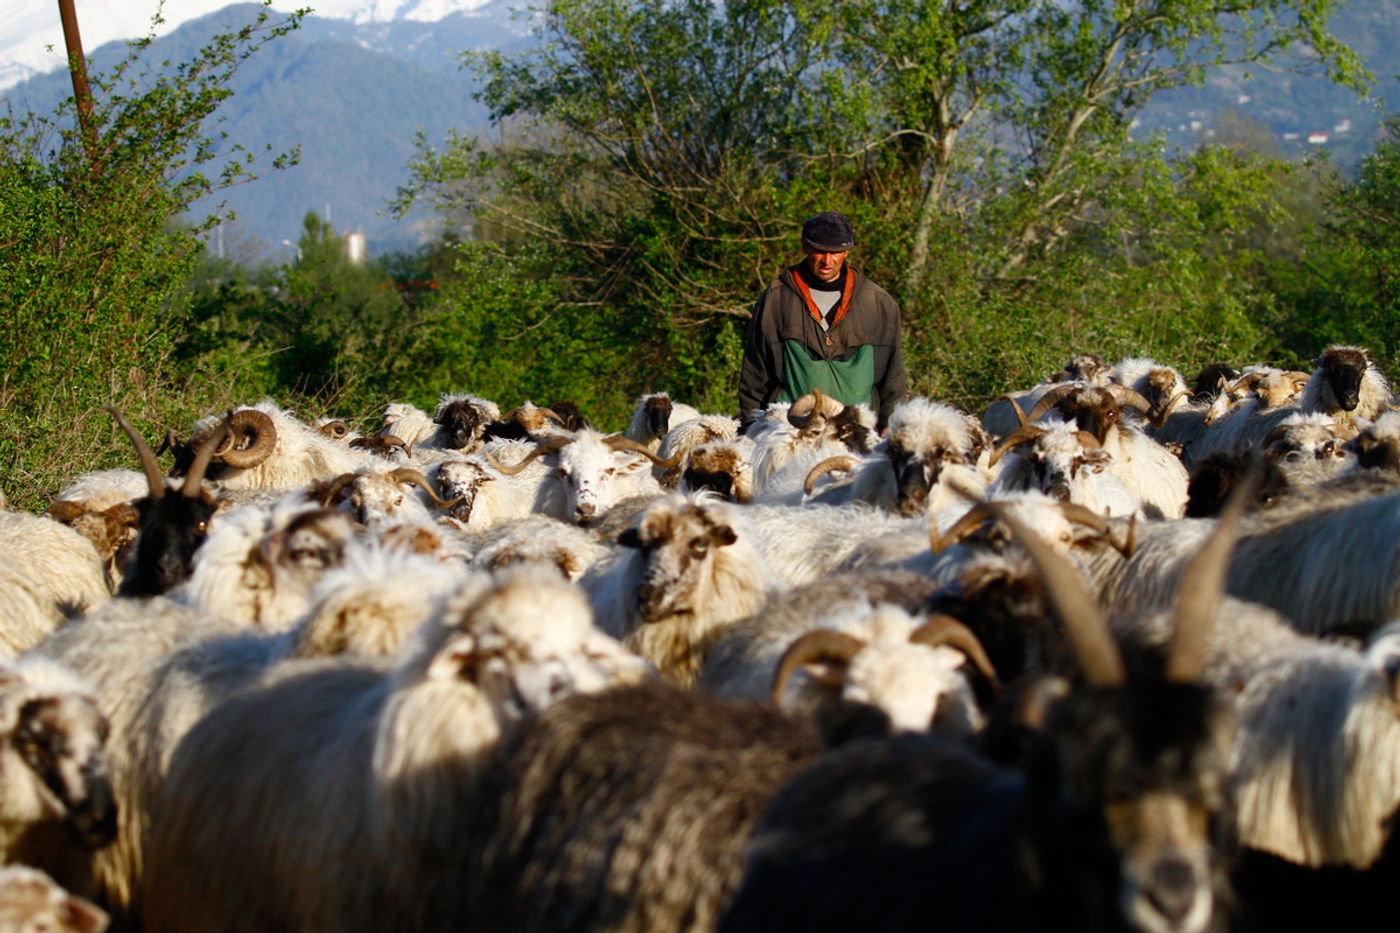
(93, 817)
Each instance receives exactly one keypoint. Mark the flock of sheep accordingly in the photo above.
(1113, 656)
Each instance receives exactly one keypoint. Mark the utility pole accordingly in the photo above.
(77, 67)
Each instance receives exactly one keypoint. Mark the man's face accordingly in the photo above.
(825, 266)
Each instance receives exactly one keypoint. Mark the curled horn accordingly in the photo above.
(335, 430)
(155, 480)
(410, 475)
(805, 410)
(202, 457)
(1084, 625)
(617, 442)
(549, 445)
(820, 645)
(1203, 582)
(1050, 399)
(1122, 395)
(1016, 407)
(946, 630)
(839, 462)
(550, 413)
(248, 423)
(1247, 382)
(332, 492)
(1025, 434)
(967, 523)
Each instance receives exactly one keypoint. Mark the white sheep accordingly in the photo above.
(53, 765)
(570, 549)
(259, 563)
(591, 473)
(31, 902)
(48, 572)
(270, 448)
(688, 570)
(1063, 462)
(407, 422)
(361, 775)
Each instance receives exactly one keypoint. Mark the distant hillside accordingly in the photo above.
(352, 96)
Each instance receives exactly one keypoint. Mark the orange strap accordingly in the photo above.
(846, 291)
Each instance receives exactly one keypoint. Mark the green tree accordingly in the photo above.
(661, 154)
(94, 255)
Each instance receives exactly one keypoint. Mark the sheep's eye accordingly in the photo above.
(202, 527)
(699, 548)
(398, 501)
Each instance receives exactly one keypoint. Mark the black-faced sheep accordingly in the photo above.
(654, 416)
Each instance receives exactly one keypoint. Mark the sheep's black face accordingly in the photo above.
(720, 482)
(460, 423)
(849, 431)
(172, 529)
(1141, 768)
(1343, 374)
(914, 478)
(658, 416)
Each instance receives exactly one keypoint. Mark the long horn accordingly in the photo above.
(839, 462)
(410, 475)
(155, 480)
(1020, 412)
(194, 479)
(1084, 625)
(617, 442)
(967, 523)
(946, 630)
(820, 645)
(1025, 434)
(548, 445)
(1203, 583)
(1088, 439)
(1083, 515)
(1050, 399)
(249, 422)
(1160, 418)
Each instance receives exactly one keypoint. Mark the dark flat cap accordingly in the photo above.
(828, 231)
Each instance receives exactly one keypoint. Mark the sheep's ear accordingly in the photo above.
(630, 537)
(723, 536)
(456, 659)
(83, 916)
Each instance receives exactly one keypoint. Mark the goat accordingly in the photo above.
(927, 462)
(269, 448)
(623, 810)
(687, 571)
(1117, 823)
(722, 467)
(1063, 462)
(407, 422)
(30, 902)
(265, 842)
(680, 442)
(539, 539)
(1149, 471)
(654, 416)
(1325, 560)
(172, 526)
(812, 424)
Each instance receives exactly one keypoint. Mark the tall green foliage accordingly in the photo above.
(93, 262)
(659, 156)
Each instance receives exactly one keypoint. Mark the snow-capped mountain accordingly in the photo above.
(31, 35)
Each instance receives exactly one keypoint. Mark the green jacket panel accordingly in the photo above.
(781, 318)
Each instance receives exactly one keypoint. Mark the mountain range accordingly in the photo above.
(356, 83)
